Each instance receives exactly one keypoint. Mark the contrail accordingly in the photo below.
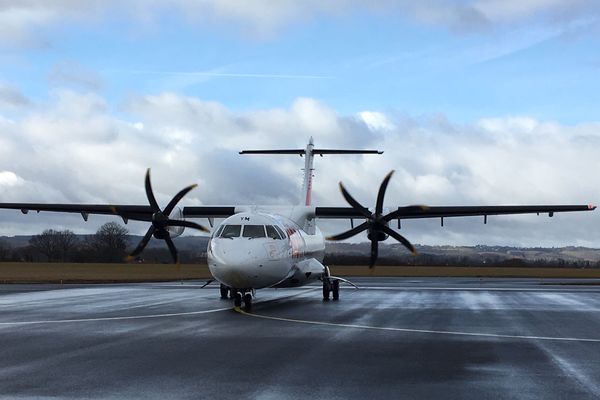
(224, 74)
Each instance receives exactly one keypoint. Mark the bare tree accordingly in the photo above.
(66, 242)
(5, 251)
(55, 245)
(110, 242)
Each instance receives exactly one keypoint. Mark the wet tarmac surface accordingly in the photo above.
(394, 338)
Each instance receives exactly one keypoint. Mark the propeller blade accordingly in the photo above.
(187, 224)
(374, 252)
(150, 193)
(177, 198)
(355, 204)
(381, 194)
(401, 239)
(402, 210)
(172, 248)
(140, 247)
(354, 231)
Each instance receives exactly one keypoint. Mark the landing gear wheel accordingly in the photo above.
(237, 299)
(224, 292)
(326, 290)
(335, 289)
(248, 302)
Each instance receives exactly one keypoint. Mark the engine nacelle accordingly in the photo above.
(377, 235)
(176, 214)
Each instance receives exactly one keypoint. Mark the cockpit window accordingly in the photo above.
(231, 231)
(254, 231)
(219, 230)
(272, 233)
(280, 231)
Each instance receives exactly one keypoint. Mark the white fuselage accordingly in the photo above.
(253, 250)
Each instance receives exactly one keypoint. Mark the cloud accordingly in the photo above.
(376, 120)
(11, 98)
(76, 149)
(9, 179)
(74, 75)
(23, 22)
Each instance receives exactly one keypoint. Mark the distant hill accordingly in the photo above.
(194, 248)
(344, 253)
(182, 242)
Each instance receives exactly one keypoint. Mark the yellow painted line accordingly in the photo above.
(425, 331)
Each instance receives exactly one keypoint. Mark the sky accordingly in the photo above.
(474, 102)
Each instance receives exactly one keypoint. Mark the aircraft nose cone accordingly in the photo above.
(236, 263)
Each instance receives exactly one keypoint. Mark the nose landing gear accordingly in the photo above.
(248, 301)
(237, 299)
(239, 296)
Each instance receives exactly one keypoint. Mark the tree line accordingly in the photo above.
(110, 244)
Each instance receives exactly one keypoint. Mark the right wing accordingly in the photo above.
(125, 211)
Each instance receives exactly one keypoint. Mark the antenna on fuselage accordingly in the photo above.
(309, 153)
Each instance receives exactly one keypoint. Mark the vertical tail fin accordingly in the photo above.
(309, 154)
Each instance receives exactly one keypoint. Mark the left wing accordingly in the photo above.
(414, 212)
(376, 221)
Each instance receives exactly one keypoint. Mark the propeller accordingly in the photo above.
(376, 223)
(161, 221)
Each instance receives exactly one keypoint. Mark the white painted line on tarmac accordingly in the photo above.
(409, 330)
(486, 289)
(134, 317)
(65, 321)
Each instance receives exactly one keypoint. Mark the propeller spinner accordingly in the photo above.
(376, 223)
(161, 221)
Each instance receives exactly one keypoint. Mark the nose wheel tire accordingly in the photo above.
(237, 299)
(248, 302)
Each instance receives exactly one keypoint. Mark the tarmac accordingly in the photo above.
(409, 338)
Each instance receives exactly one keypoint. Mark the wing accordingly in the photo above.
(127, 211)
(414, 212)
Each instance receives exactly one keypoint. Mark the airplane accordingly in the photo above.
(258, 246)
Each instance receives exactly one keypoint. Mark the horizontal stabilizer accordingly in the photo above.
(314, 151)
(341, 151)
(297, 151)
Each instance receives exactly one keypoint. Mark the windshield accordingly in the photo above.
(218, 231)
(231, 231)
(280, 231)
(254, 231)
(272, 233)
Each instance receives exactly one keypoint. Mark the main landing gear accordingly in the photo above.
(331, 287)
(237, 296)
